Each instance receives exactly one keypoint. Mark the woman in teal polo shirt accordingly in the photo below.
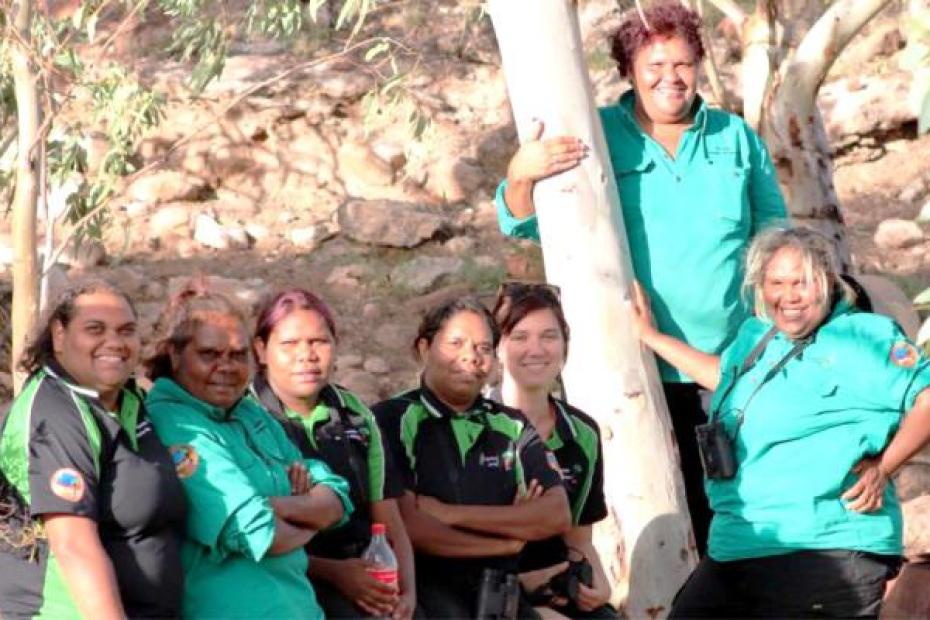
(807, 427)
(254, 503)
(695, 183)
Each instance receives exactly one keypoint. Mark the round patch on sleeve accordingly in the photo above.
(904, 354)
(68, 484)
(185, 460)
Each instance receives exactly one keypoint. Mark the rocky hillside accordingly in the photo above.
(273, 177)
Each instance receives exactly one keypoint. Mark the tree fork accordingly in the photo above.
(646, 542)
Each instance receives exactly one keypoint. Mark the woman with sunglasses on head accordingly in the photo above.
(92, 511)
(295, 343)
(478, 481)
(695, 185)
(255, 502)
(532, 352)
(815, 407)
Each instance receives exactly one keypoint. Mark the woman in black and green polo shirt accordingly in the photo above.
(93, 512)
(478, 481)
(295, 343)
(532, 351)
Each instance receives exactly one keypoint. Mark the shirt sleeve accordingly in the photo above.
(595, 506)
(388, 415)
(766, 203)
(320, 473)
(384, 481)
(537, 461)
(63, 467)
(526, 228)
(227, 514)
(887, 370)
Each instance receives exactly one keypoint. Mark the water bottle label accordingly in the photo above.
(384, 575)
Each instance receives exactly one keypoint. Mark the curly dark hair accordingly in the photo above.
(663, 19)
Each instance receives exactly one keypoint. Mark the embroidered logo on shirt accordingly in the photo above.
(507, 460)
(67, 484)
(904, 354)
(185, 460)
(491, 461)
(553, 463)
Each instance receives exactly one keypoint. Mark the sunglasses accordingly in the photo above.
(515, 289)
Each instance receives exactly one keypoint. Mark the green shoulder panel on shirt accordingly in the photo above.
(410, 422)
(587, 439)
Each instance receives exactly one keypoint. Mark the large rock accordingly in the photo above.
(358, 164)
(862, 105)
(894, 234)
(888, 299)
(913, 480)
(454, 180)
(169, 218)
(390, 223)
(422, 273)
(210, 233)
(166, 186)
(362, 383)
(916, 514)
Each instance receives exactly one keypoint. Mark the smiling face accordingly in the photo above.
(100, 346)
(214, 365)
(298, 358)
(665, 79)
(459, 359)
(793, 299)
(533, 353)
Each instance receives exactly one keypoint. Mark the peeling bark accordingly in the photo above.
(646, 543)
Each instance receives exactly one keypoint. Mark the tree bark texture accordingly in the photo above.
(25, 265)
(646, 542)
(793, 128)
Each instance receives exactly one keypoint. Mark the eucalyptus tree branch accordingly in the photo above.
(732, 10)
(87, 217)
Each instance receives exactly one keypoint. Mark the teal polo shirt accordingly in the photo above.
(688, 219)
(801, 434)
(230, 463)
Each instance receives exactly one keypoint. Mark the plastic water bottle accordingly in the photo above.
(381, 557)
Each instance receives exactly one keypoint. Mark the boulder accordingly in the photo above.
(376, 366)
(349, 360)
(358, 164)
(390, 223)
(453, 180)
(888, 299)
(363, 384)
(916, 514)
(894, 234)
(163, 186)
(864, 104)
(422, 273)
(169, 217)
(913, 480)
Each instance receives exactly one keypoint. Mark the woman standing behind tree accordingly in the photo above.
(696, 184)
(92, 511)
(295, 342)
(532, 351)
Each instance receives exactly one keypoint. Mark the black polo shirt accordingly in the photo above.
(576, 443)
(341, 432)
(480, 457)
(62, 452)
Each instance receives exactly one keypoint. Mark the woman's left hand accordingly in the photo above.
(866, 495)
(405, 607)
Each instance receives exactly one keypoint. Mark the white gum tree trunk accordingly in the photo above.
(25, 263)
(793, 128)
(646, 542)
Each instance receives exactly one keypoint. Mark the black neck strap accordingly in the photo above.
(751, 360)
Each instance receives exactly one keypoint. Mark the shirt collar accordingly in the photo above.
(563, 421)
(439, 409)
(166, 388)
(129, 397)
(262, 391)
